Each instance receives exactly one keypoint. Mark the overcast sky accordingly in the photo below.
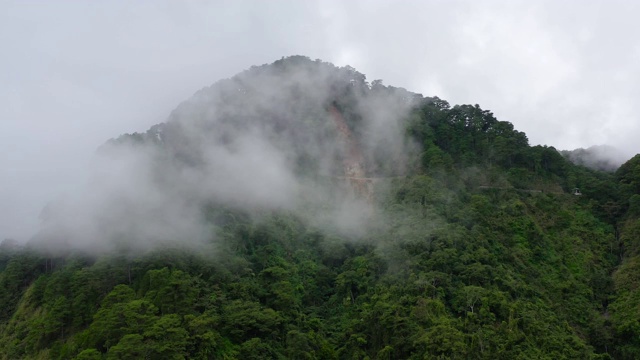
(74, 74)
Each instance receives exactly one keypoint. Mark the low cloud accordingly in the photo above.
(262, 140)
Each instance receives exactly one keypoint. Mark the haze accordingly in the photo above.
(73, 75)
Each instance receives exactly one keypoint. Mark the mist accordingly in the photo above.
(261, 141)
(598, 157)
(78, 73)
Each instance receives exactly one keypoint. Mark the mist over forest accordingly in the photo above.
(262, 140)
(597, 157)
(299, 211)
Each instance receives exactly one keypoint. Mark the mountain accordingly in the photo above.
(297, 211)
(599, 157)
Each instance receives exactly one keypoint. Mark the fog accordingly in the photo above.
(261, 141)
(602, 157)
(75, 74)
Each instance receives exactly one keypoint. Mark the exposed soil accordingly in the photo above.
(353, 161)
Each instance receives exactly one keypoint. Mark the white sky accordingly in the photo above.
(73, 74)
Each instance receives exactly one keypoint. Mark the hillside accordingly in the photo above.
(297, 211)
(603, 158)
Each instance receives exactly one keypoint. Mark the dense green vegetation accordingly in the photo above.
(479, 251)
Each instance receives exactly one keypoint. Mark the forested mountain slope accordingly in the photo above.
(296, 211)
(602, 157)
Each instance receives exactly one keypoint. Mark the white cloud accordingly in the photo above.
(73, 74)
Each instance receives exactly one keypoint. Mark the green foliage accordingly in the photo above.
(89, 354)
(478, 251)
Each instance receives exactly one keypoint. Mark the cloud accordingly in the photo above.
(77, 73)
(263, 140)
(602, 157)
